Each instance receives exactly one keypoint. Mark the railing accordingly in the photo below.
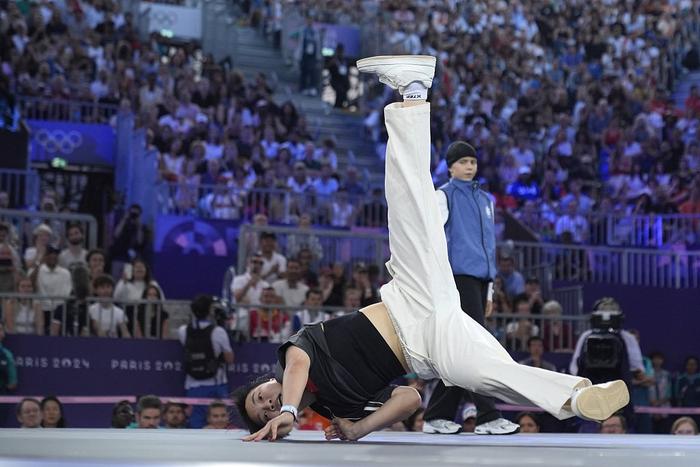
(649, 268)
(625, 266)
(325, 246)
(570, 299)
(68, 316)
(652, 230)
(258, 322)
(280, 205)
(275, 323)
(283, 206)
(41, 108)
(25, 221)
(22, 186)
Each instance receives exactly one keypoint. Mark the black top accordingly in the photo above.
(351, 366)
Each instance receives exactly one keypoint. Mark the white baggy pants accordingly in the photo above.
(438, 338)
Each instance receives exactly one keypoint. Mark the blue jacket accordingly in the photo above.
(470, 229)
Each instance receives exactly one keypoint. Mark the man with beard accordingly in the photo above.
(174, 415)
(75, 254)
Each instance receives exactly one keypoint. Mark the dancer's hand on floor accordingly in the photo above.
(332, 432)
(278, 427)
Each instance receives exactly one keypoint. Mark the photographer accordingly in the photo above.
(608, 351)
(207, 353)
(131, 240)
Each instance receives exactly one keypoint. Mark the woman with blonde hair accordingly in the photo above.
(24, 315)
(41, 236)
(684, 426)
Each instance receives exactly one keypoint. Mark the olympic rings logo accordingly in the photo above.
(164, 18)
(59, 141)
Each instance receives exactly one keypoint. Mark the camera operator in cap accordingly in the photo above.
(607, 350)
(207, 354)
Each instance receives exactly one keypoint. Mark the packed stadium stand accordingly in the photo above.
(151, 152)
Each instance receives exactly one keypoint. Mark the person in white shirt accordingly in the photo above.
(299, 182)
(106, 319)
(522, 154)
(274, 264)
(52, 280)
(41, 236)
(99, 88)
(23, 315)
(342, 212)
(247, 288)
(291, 289)
(137, 276)
(75, 254)
(573, 223)
(325, 185)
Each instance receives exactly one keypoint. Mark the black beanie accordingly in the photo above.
(458, 150)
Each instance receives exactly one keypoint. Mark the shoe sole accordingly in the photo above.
(517, 430)
(366, 64)
(600, 402)
(433, 431)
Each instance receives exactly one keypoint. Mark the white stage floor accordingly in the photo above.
(209, 448)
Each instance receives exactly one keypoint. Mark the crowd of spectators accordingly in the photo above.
(571, 126)
(568, 104)
(218, 135)
(150, 412)
(54, 286)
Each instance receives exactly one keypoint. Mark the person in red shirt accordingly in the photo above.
(692, 206)
(693, 100)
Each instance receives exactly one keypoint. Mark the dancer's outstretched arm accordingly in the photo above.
(403, 402)
(296, 375)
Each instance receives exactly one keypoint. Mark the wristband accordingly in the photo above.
(290, 409)
(489, 293)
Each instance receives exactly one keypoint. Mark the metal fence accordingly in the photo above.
(570, 299)
(40, 108)
(21, 186)
(280, 205)
(372, 248)
(275, 323)
(651, 230)
(24, 222)
(284, 206)
(70, 316)
(625, 266)
(547, 262)
(247, 323)
(326, 246)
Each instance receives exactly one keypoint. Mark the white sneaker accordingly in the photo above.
(500, 426)
(398, 71)
(600, 401)
(441, 426)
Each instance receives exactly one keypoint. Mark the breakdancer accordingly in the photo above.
(343, 367)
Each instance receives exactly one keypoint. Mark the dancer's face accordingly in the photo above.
(464, 169)
(264, 402)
